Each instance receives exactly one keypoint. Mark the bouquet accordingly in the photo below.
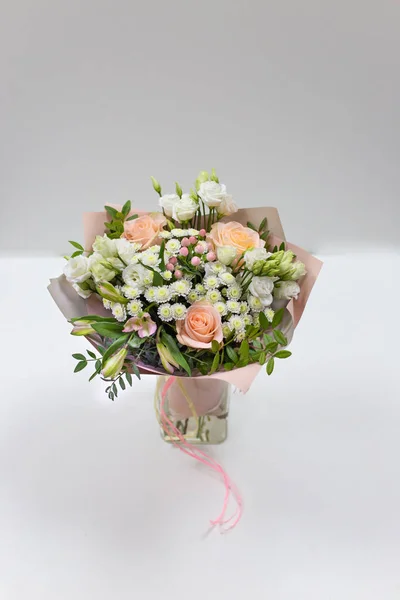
(198, 290)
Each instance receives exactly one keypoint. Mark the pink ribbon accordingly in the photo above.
(191, 450)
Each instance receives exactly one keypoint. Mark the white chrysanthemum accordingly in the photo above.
(255, 303)
(244, 308)
(192, 296)
(178, 311)
(165, 312)
(163, 293)
(136, 276)
(107, 303)
(227, 278)
(234, 292)
(269, 313)
(156, 248)
(211, 282)
(240, 336)
(226, 330)
(215, 268)
(221, 308)
(134, 307)
(233, 306)
(199, 287)
(179, 232)
(151, 259)
(150, 293)
(165, 235)
(118, 310)
(236, 322)
(130, 292)
(247, 319)
(193, 231)
(167, 275)
(181, 287)
(173, 246)
(213, 296)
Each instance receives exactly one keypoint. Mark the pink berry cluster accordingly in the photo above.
(193, 250)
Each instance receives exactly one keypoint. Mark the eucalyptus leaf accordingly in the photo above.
(121, 383)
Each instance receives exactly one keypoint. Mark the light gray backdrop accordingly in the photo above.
(295, 103)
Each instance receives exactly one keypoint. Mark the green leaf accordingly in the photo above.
(135, 369)
(115, 346)
(263, 225)
(265, 324)
(122, 383)
(278, 316)
(271, 348)
(79, 357)
(111, 396)
(129, 378)
(169, 341)
(81, 365)
(136, 341)
(215, 363)
(280, 338)
(264, 236)
(267, 338)
(228, 366)
(126, 208)
(232, 354)
(282, 246)
(251, 226)
(77, 253)
(93, 375)
(157, 279)
(283, 354)
(76, 245)
(111, 211)
(257, 344)
(270, 365)
(178, 189)
(109, 330)
(131, 218)
(97, 365)
(275, 249)
(262, 358)
(215, 346)
(93, 318)
(244, 350)
(162, 249)
(114, 389)
(91, 354)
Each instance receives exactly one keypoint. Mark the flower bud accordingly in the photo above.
(114, 363)
(213, 176)
(258, 266)
(82, 327)
(167, 360)
(156, 185)
(109, 292)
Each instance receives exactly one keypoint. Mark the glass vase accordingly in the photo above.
(198, 408)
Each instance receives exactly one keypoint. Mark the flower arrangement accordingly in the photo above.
(187, 290)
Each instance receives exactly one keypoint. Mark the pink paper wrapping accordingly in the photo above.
(71, 305)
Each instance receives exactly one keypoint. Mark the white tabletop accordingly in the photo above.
(93, 505)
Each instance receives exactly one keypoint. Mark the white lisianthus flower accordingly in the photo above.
(251, 256)
(118, 310)
(126, 250)
(184, 209)
(299, 270)
(226, 254)
(100, 268)
(261, 287)
(227, 206)
(286, 290)
(82, 293)
(212, 193)
(136, 276)
(167, 203)
(77, 269)
(105, 246)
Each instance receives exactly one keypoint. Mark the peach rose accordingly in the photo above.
(200, 327)
(234, 234)
(144, 230)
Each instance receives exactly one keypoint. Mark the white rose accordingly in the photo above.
(226, 254)
(227, 206)
(82, 293)
(184, 209)
(126, 249)
(287, 290)
(299, 270)
(77, 269)
(261, 287)
(99, 268)
(167, 203)
(212, 193)
(251, 256)
(105, 246)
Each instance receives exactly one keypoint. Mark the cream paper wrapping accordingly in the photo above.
(71, 305)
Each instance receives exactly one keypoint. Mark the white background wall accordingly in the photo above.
(295, 103)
